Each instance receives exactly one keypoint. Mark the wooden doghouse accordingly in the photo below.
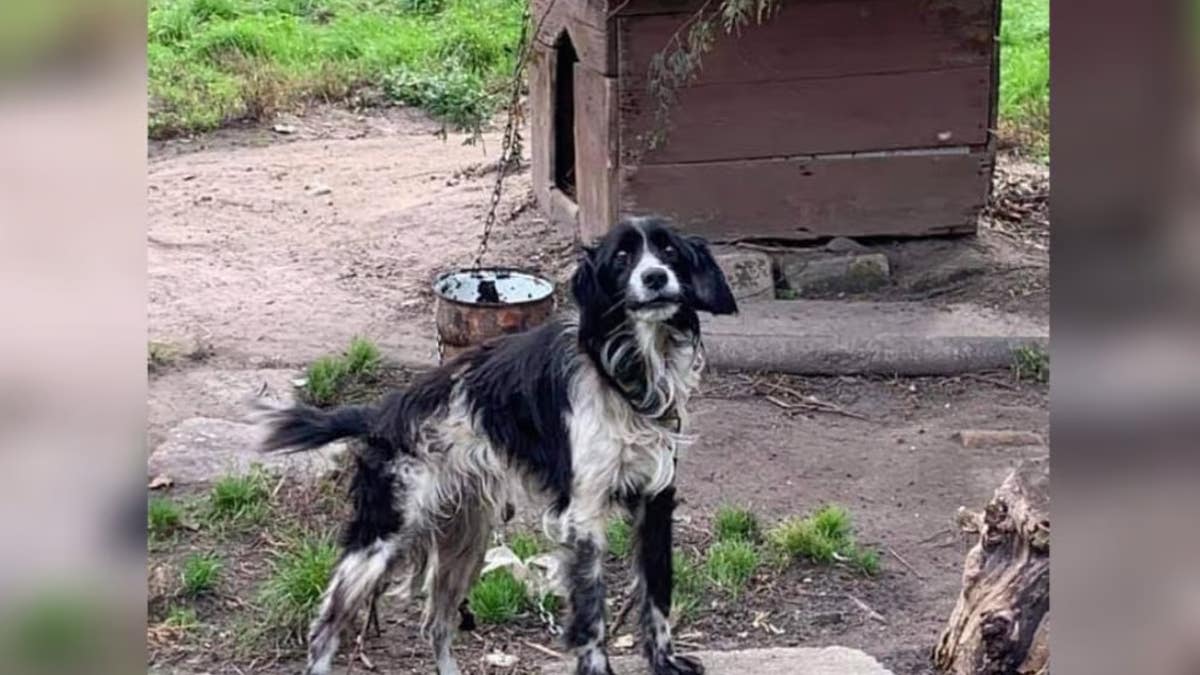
(836, 117)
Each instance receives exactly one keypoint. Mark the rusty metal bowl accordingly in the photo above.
(476, 305)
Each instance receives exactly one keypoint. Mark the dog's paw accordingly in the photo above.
(678, 665)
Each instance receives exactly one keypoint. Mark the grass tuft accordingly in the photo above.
(1032, 363)
(825, 537)
(328, 379)
(731, 564)
(688, 589)
(498, 597)
(201, 571)
(182, 618)
(1025, 74)
(620, 537)
(240, 498)
(734, 523)
(525, 545)
(163, 517)
(299, 575)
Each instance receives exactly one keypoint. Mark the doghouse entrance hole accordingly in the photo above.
(564, 115)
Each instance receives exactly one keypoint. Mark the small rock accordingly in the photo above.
(624, 641)
(844, 245)
(160, 482)
(500, 660)
(319, 190)
(284, 129)
(810, 275)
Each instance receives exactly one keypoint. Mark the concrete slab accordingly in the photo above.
(833, 337)
(201, 449)
(775, 661)
(748, 273)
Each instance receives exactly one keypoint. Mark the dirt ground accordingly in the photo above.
(253, 261)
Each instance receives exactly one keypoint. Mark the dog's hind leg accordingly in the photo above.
(355, 578)
(461, 545)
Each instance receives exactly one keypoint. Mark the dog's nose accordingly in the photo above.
(654, 279)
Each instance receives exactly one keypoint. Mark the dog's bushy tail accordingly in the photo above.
(302, 427)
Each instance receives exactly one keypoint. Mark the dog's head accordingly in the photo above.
(646, 271)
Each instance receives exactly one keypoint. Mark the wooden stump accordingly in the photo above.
(1001, 622)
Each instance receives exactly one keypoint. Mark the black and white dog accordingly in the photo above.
(579, 416)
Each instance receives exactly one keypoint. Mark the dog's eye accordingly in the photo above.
(622, 258)
(669, 253)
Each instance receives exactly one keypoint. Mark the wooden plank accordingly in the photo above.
(814, 116)
(883, 194)
(585, 24)
(825, 39)
(541, 142)
(595, 151)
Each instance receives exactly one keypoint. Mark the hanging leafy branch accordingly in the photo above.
(681, 59)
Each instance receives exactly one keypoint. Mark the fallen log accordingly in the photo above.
(1001, 622)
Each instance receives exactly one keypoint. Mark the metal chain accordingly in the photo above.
(549, 620)
(509, 138)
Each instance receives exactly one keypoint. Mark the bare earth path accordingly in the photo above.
(273, 250)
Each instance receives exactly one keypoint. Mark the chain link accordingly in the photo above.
(508, 140)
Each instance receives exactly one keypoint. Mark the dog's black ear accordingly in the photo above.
(711, 290)
(585, 286)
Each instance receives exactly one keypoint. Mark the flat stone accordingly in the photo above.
(774, 661)
(961, 264)
(748, 273)
(836, 337)
(808, 274)
(201, 449)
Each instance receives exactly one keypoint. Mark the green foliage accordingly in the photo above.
(688, 589)
(525, 545)
(734, 523)
(163, 517)
(200, 573)
(329, 377)
(240, 498)
(731, 564)
(825, 537)
(1025, 73)
(299, 574)
(498, 597)
(1031, 362)
(215, 61)
(620, 537)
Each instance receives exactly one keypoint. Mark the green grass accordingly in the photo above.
(525, 545)
(1025, 73)
(240, 499)
(201, 571)
(182, 617)
(215, 61)
(620, 537)
(733, 523)
(498, 597)
(328, 379)
(687, 591)
(825, 537)
(163, 517)
(1032, 363)
(299, 574)
(731, 564)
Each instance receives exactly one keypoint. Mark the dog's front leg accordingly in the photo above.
(654, 571)
(585, 577)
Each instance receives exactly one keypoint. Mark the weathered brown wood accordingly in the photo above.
(813, 116)
(586, 24)
(541, 145)
(595, 151)
(825, 39)
(1001, 621)
(803, 198)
